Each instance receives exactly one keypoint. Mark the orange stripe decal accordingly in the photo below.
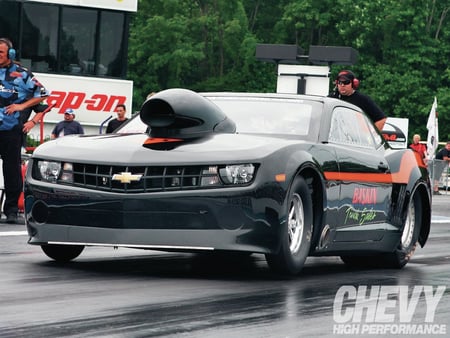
(360, 177)
(161, 140)
(419, 160)
(407, 165)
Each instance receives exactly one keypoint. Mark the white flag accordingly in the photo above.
(433, 131)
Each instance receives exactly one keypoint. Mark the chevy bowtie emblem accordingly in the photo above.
(126, 177)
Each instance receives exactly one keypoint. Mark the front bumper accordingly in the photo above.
(231, 219)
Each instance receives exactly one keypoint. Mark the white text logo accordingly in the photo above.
(387, 309)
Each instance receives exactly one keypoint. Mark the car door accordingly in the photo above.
(363, 177)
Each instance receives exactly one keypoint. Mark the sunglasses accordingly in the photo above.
(344, 83)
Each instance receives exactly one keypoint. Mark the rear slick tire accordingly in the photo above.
(410, 235)
(297, 231)
(406, 247)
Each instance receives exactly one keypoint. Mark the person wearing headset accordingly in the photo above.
(19, 91)
(346, 84)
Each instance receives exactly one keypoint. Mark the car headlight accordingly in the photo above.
(237, 173)
(52, 171)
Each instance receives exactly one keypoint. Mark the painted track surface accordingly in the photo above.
(128, 293)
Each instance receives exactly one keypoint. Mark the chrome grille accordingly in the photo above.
(153, 179)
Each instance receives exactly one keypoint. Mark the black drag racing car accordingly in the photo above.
(287, 176)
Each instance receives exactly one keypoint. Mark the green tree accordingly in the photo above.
(210, 45)
(201, 45)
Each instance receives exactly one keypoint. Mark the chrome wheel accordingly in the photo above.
(296, 223)
(408, 230)
(295, 232)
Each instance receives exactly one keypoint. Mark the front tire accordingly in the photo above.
(297, 233)
(62, 253)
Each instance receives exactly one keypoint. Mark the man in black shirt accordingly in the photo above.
(117, 122)
(443, 160)
(444, 153)
(346, 85)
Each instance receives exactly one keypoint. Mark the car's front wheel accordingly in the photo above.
(62, 253)
(297, 233)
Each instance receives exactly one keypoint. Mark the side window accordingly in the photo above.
(352, 127)
(378, 139)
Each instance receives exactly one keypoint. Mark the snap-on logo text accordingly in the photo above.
(74, 100)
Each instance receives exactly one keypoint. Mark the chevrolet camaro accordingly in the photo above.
(287, 176)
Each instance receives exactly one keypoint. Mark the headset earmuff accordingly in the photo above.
(355, 81)
(11, 54)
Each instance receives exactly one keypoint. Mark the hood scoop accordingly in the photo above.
(183, 114)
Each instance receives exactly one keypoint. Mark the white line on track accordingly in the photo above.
(13, 233)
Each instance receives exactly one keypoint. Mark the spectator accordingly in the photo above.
(117, 122)
(441, 162)
(20, 90)
(68, 126)
(444, 153)
(345, 89)
(419, 147)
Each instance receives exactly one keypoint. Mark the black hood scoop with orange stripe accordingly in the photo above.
(177, 115)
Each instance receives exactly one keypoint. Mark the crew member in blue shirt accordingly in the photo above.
(19, 90)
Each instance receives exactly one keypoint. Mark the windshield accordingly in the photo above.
(267, 115)
(257, 115)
